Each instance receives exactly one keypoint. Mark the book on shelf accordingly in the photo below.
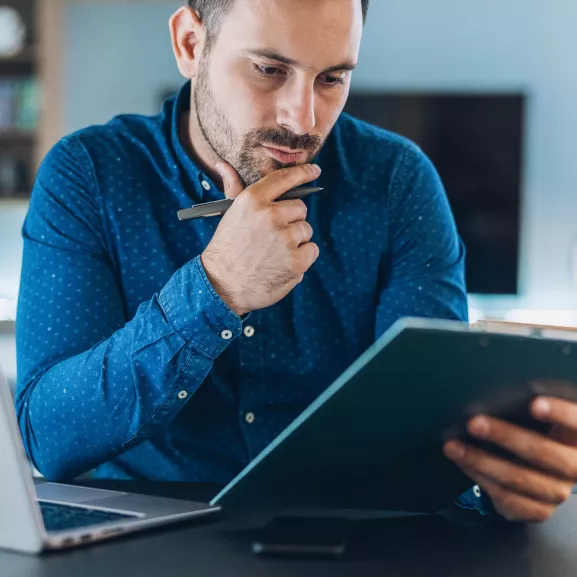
(19, 105)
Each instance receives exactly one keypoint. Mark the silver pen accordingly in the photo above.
(219, 207)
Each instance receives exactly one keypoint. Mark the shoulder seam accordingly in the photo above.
(94, 182)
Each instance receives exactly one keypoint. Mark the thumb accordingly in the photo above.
(230, 179)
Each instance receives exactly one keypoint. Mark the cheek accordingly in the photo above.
(328, 109)
(245, 107)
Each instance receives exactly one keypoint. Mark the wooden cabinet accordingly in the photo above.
(30, 96)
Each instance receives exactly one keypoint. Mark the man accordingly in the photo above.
(156, 349)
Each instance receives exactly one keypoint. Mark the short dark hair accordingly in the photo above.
(212, 11)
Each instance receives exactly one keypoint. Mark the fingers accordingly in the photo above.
(537, 450)
(307, 254)
(556, 412)
(513, 506)
(277, 183)
(230, 179)
(289, 211)
(299, 232)
(513, 476)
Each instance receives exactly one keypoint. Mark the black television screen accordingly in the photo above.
(476, 144)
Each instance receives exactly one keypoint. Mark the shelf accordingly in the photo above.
(26, 56)
(17, 136)
(19, 198)
(7, 327)
(22, 64)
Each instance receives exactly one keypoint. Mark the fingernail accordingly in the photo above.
(479, 427)
(218, 168)
(454, 450)
(317, 168)
(542, 407)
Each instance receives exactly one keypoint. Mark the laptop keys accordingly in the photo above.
(59, 517)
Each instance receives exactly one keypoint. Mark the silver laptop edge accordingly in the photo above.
(21, 524)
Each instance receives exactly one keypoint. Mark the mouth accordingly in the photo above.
(286, 155)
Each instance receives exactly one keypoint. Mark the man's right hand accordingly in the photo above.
(261, 248)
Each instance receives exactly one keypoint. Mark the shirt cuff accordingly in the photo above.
(475, 500)
(196, 311)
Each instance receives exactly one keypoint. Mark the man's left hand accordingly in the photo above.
(531, 489)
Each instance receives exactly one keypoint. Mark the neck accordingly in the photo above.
(198, 148)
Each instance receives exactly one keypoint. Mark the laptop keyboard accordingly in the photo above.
(58, 517)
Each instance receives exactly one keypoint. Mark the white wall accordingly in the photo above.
(119, 59)
(11, 218)
(499, 45)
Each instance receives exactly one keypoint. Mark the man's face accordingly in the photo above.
(277, 75)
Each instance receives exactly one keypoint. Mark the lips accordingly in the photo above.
(285, 156)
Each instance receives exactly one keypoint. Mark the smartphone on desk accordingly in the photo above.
(309, 536)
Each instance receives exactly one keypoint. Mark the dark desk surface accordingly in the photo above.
(416, 547)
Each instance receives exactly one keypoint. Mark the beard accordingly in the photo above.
(243, 152)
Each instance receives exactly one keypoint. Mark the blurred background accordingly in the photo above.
(488, 89)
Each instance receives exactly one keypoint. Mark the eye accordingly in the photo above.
(267, 71)
(334, 80)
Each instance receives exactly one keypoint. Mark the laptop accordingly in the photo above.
(38, 516)
(373, 439)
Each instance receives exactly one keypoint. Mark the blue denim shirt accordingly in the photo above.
(129, 362)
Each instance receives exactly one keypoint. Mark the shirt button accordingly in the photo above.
(205, 185)
(226, 335)
(248, 331)
(182, 395)
(249, 418)
(477, 491)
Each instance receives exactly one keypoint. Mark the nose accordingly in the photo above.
(296, 111)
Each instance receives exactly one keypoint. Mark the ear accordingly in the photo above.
(188, 36)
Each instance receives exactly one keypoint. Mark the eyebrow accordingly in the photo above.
(272, 55)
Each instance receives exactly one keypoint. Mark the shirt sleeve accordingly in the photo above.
(423, 271)
(91, 382)
(422, 274)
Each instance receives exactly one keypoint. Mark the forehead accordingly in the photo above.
(316, 33)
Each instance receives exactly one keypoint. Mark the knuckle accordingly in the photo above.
(296, 262)
(248, 199)
(287, 235)
(471, 457)
(294, 234)
(563, 493)
(270, 214)
(302, 207)
(506, 499)
(309, 170)
(315, 251)
(543, 514)
(568, 465)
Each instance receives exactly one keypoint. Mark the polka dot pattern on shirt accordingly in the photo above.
(128, 360)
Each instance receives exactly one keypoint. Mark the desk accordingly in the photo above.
(220, 547)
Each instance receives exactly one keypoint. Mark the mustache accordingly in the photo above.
(286, 139)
